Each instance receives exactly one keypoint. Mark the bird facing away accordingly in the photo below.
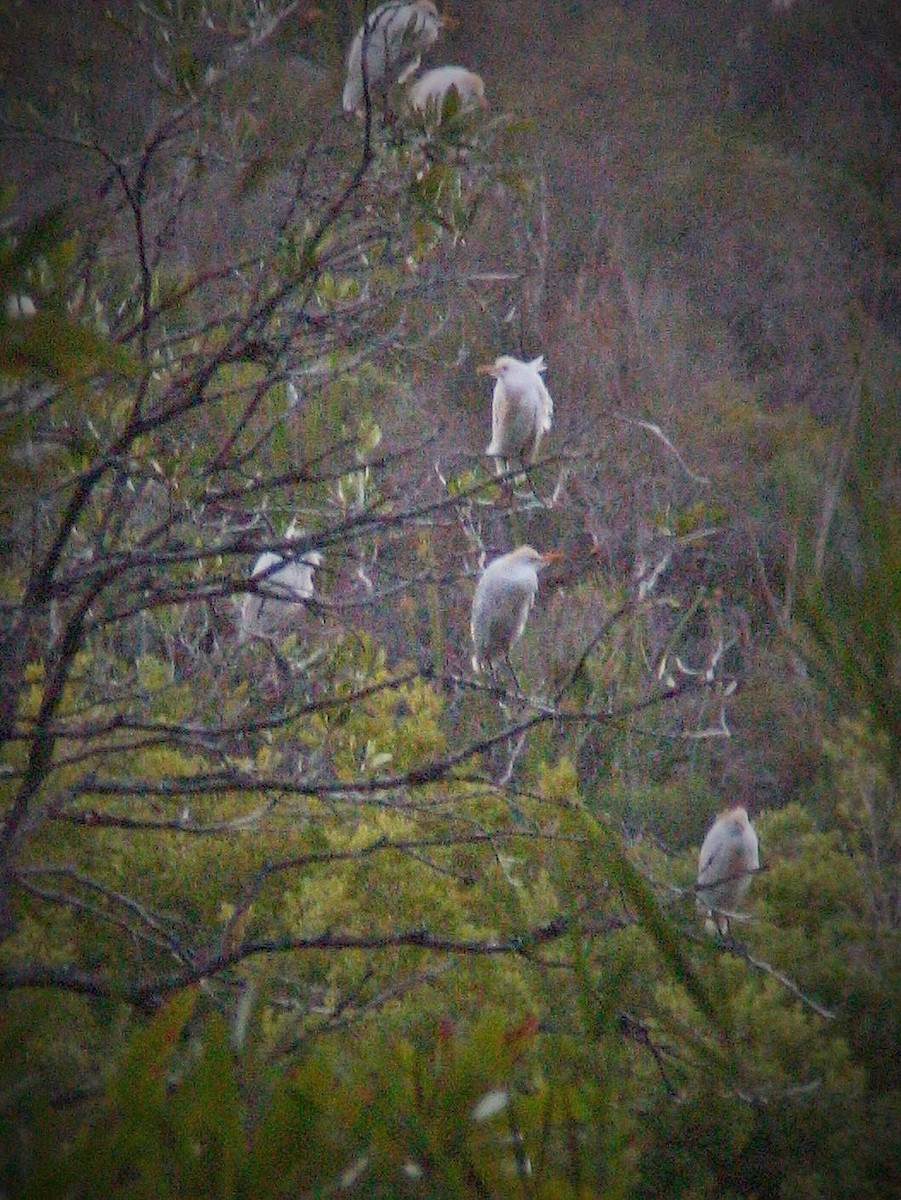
(500, 607)
(521, 410)
(729, 856)
(395, 36)
(281, 579)
(432, 87)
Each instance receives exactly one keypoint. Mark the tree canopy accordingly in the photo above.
(305, 905)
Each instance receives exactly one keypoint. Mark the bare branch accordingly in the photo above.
(742, 952)
(661, 436)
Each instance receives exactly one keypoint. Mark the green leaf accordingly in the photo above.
(50, 346)
(140, 1080)
(208, 1107)
(665, 935)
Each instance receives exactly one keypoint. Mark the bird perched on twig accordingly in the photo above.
(395, 36)
(281, 578)
(503, 599)
(728, 859)
(521, 410)
(432, 87)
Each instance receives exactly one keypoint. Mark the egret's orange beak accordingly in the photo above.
(550, 556)
(486, 369)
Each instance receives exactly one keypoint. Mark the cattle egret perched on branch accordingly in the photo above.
(521, 410)
(500, 607)
(280, 578)
(395, 36)
(727, 861)
(432, 87)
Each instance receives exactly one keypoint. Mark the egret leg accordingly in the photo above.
(524, 489)
(491, 669)
(723, 926)
(512, 672)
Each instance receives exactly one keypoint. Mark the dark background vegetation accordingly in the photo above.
(318, 911)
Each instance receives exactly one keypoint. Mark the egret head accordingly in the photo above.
(502, 366)
(296, 531)
(468, 84)
(430, 11)
(737, 812)
(528, 554)
(509, 369)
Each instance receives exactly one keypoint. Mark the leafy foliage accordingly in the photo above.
(309, 908)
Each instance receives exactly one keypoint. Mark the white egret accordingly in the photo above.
(728, 859)
(432, 87)
(395, 36)
(503, 598)
(280, 579)
(19, 307)
(521, 410)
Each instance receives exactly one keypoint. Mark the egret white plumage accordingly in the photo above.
(503, 599)
(432, 87)
(395, 36)
(521, 410)
(280, 578)
(19, 307)
(728, 859)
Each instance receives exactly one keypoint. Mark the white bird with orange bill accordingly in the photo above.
(521, 410)
(502, 602)
(432, 88)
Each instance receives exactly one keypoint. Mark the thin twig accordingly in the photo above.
(742, 952)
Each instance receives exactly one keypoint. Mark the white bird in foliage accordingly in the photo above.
(726, 864)
(432, 87)
(19, 307)
(280, 578)
(521, 410)
(395, 36)
(503, 599)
